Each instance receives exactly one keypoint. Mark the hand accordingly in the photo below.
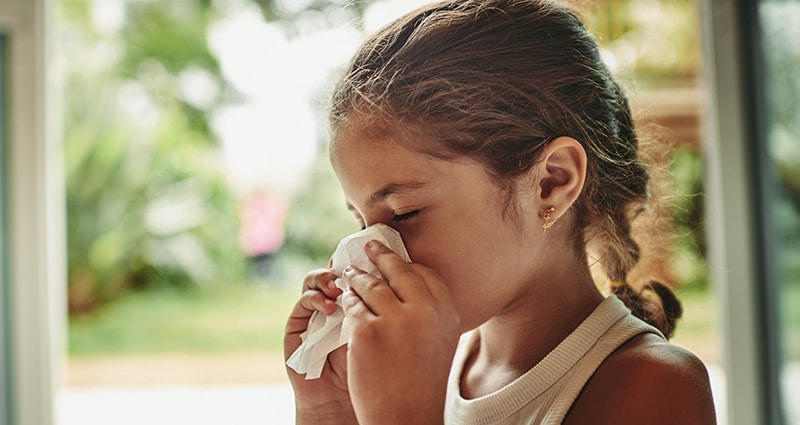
(405, 331)
(324, 400)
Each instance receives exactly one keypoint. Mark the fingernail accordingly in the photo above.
(348, 270)
(331, 284)
(374, 245)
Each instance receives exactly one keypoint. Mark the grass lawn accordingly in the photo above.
(233, 318)
(251, 318)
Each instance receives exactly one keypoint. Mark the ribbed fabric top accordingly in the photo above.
(544, 394)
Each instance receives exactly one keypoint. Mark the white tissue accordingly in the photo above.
(326, 333)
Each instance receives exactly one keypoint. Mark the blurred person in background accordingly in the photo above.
(261, 235)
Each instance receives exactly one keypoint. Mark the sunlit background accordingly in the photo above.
(199, 191)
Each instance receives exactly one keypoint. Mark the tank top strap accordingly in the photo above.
(621, 332)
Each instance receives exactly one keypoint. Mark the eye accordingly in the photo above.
(405, 216)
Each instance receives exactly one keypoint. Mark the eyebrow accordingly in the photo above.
(389, 190)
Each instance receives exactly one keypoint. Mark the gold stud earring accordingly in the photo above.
(549, 221)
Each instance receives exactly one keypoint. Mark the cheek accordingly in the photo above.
(482, 268)
(462, 264)
(467, 246)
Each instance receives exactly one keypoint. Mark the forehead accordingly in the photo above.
(367, 164)
(370, 155)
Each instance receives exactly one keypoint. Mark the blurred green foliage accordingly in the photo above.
(319, 217)
(781, 38)
(148, 202)
(689, 265)
(782, 57)
(652, 42)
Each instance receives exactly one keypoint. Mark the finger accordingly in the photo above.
(315, 300)
(322, 280)
(355, 308)
(374, 292)
(296, 325)
(309, 302)
(401, 275)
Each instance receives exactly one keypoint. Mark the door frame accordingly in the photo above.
(737, 201)
(34, 196)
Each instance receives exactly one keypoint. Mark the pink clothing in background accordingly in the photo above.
(262, 217)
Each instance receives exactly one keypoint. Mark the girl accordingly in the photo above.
(493, 138)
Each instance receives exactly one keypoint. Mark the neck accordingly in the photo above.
(512, 342)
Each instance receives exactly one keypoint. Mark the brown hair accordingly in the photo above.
(495, 80)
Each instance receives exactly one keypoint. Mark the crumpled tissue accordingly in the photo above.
(326, 333)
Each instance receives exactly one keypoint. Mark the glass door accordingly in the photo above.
(778, 124)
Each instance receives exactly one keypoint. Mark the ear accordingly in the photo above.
(561, 172)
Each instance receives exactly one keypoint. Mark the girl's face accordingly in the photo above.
(451, 217)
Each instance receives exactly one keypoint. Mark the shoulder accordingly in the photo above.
(647, 380)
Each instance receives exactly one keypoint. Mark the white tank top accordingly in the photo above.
(544, 394)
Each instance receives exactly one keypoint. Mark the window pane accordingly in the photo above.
(781, 49)
(5, 369)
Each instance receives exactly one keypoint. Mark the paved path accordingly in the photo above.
(270, 404)
(175, 405)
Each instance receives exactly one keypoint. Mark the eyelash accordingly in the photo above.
(397, 218)
(403, 217)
